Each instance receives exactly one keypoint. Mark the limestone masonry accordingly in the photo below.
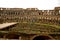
(32, 24)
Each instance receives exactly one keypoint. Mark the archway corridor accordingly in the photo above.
(42, 38)
(12, 36)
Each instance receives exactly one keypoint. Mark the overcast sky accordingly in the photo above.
(40, 4)
(59, 2)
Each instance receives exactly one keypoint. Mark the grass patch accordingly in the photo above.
(42, 24)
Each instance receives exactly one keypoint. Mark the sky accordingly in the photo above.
(59, 2)
(40, 4)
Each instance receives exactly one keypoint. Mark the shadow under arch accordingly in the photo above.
(43, 37)
(12, 36)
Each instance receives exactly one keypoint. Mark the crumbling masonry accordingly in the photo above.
(33, 24)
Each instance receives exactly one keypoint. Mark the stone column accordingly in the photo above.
(19, 37)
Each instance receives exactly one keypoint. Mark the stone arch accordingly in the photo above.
(39, 37)
(11, 36)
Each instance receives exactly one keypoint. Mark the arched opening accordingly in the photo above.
(12, 36)
(42, 38)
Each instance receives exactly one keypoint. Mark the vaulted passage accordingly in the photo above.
(42, 38)
(12, 36)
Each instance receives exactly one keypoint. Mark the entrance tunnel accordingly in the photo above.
(42, 38)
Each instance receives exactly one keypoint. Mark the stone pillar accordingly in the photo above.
(24, 37)
(19, 37)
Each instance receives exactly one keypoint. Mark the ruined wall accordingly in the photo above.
(29, 15)
(57, 11)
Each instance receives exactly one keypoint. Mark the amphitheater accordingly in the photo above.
(29, 24)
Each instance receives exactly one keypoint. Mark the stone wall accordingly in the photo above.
(29, 14)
